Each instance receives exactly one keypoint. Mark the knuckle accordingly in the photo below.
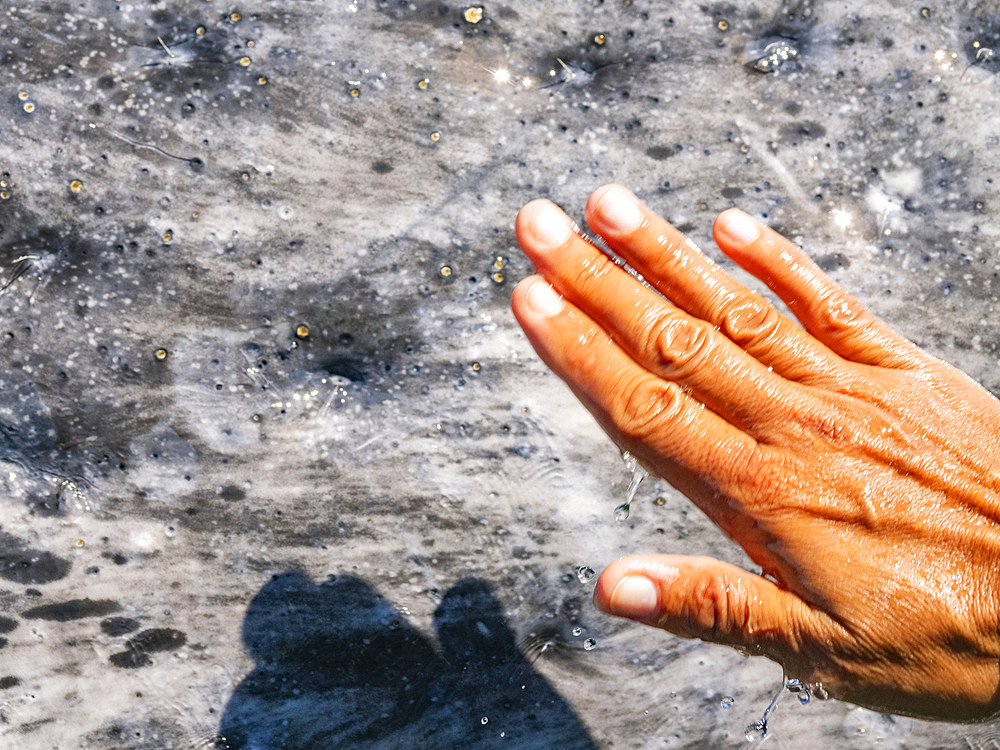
(749, 319)
(723, 608)
(838, 314)
(645, 407)
(591, 270)
(678, 346)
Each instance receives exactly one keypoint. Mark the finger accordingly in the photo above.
(700, 597)
(829, 313)
(660, 337)
(673, 264)
(643, 413)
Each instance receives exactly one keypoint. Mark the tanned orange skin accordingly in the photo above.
(860, 473)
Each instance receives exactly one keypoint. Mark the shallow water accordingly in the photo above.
(269, 471)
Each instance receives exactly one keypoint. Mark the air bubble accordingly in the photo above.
(589, 645)
(485, 720)
(585, 574)
(577, 631)
(621, 513)
(727, 702)
(776, 53)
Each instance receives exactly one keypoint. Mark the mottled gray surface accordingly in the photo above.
(170, 527)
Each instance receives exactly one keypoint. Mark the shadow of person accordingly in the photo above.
(337, 666)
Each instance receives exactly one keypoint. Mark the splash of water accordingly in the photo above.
(638, 474)
(757, 731)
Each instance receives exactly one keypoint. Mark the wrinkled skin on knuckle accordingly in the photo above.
(840, 316)
(749, 321)
(679, 346)
(644, 407)
(583, 276)
(720, 609)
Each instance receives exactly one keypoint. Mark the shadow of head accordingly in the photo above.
(339, 666)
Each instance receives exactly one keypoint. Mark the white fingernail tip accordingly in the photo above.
(551, 227)
(741, 228)
(619, 211)
(543, 300)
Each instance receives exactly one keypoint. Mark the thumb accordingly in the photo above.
(700, 597)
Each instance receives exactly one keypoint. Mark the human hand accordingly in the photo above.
(859, 472)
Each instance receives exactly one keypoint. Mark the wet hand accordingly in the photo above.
(859, 472)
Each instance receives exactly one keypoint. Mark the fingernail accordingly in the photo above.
(738, 227)
(550, 227)
(635, 597)
(618, 211)
(543, 299)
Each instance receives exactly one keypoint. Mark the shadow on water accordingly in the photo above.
(340, 667)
